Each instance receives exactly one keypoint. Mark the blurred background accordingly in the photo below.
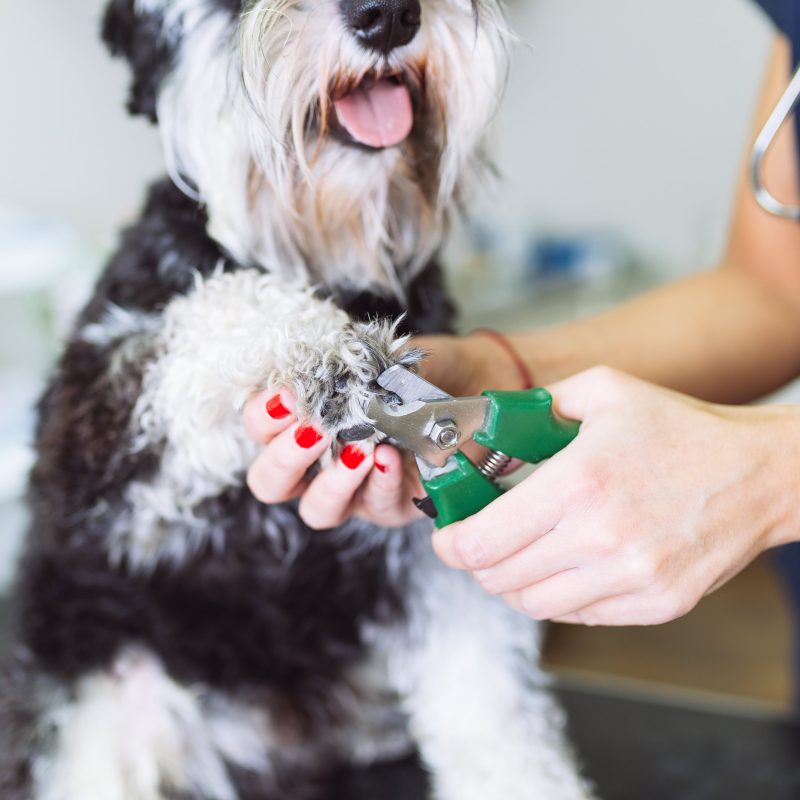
(619, 143)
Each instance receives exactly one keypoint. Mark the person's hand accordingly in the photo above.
(465, 366)
(370, 483)
(660, 500)
(377, 486)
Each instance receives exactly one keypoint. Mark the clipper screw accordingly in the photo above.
(445, 434)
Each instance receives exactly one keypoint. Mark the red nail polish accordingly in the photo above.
(307, 437)
(381, 467)
(352, 457)
(276, 409)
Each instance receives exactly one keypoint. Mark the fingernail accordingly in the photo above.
(471, 549)
(276, 409)
(381, 467)
(307, 436)
(352, 457)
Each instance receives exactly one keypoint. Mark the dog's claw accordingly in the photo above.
(358, 433)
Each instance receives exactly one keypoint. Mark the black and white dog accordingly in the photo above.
(174, 637)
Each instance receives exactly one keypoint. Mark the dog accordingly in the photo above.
(174, 638)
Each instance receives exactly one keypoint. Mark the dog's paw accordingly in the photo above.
(334, 379)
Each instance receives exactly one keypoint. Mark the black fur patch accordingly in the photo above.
(158, 256)
(140, 38)
(83, 443)
(429, 310)
(150, 50)
(20, 739)
(234, 6)
(233, 620)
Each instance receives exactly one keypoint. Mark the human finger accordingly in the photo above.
(582, 395)
(268, 413)
(327, 500)
(566, 593)
(570, 619)
(512, 522)
(385, 489)
(548, 556)
(513, 599)
(282, 465)
(386, 495)
(632, 608)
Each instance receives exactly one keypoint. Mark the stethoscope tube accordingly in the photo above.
(783, 111)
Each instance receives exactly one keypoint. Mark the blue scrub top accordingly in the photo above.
(786, 16)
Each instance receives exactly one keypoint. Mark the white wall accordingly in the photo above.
(69, 149)
(631, 115)
(622, 114)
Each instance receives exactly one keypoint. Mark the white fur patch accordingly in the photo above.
(118, 324)
(133, 733)
(480, 711)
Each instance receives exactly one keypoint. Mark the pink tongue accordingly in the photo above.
(381, 116)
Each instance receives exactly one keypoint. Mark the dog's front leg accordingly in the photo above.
(486, 725)
(199, 361)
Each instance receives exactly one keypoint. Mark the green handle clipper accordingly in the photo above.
(422, 418)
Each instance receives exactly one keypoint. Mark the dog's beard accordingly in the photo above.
(255, 121)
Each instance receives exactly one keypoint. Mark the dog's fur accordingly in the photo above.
(174, 637)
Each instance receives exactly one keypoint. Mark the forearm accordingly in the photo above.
(729, 335)
(722, 336)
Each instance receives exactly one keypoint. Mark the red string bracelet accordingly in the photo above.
(522, 367)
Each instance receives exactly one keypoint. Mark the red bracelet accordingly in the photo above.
(522, 367)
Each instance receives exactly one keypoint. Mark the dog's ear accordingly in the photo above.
(140, 38)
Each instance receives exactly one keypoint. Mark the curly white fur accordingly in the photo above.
(234, 334)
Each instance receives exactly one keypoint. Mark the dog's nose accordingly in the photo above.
(383, 25)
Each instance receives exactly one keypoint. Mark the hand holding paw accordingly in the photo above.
(361, 480)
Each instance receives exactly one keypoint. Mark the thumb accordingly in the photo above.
(585, 394)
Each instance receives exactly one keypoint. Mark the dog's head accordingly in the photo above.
(331, 137)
